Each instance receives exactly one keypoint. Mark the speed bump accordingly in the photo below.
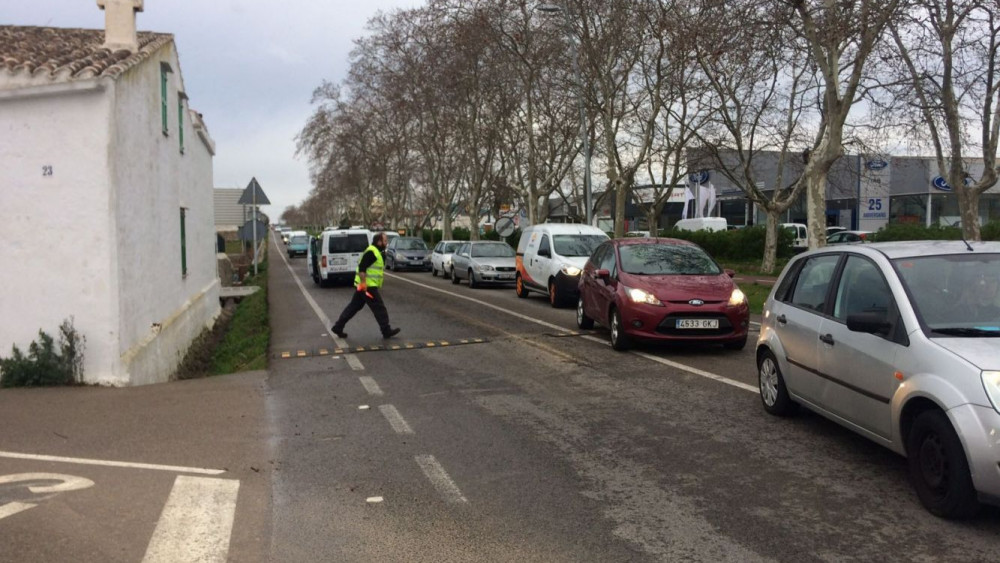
(335, 352)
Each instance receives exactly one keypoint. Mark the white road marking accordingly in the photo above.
(12, 508)
(196, 522)
(126, 464)
(374, 500)
(352, 360)
(371, 386)
(689, 369)
(440, 479)
(395, 419)
(66, 482)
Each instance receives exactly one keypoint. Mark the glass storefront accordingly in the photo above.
(943, 209)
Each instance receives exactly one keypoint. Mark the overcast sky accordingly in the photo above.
(250, 66)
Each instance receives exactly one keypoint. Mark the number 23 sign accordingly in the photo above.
(65, 484)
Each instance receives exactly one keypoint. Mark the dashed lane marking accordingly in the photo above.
(337, 352)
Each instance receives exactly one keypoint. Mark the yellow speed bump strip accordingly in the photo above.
(337, 352)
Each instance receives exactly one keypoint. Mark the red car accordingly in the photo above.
(662, 290)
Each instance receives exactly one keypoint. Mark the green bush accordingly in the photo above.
(735, 245)
(912, 231)
(45, 364)
(990, 231)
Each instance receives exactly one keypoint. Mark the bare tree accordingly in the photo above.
(840, 37)
(947, 51)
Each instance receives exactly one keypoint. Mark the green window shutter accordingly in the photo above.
(184, 264)
(164, 70)
(180, 119)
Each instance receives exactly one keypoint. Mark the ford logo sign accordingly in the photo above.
(941, 184)
(696, 302)
(876, 164)
(699, 177)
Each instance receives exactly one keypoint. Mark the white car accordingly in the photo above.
(550, 259)
(441, 257)
(848, 237)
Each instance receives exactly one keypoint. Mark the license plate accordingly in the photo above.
(339, 261)
(698, 323)
(505, 276)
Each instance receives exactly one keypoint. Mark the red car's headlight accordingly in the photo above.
(641, 296)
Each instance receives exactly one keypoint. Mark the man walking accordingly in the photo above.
(367, 282)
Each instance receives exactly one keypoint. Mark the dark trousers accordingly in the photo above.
(358, 302)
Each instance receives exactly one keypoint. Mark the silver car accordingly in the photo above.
(483, 262)
(899, 342)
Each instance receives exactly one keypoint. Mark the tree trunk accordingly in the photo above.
(446, 233)
(968, 208)
(816, 207)
(621, 197)
(770, 242)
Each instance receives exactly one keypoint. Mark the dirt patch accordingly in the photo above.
(198, 361)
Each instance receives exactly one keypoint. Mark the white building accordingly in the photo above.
(105, 197)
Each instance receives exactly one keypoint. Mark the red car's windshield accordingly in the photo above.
(666, 259)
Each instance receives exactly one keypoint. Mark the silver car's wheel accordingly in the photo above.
(773, 393)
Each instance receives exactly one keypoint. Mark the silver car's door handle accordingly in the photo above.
(782, 320)
(826, 339)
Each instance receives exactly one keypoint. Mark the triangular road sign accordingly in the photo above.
(253, 195)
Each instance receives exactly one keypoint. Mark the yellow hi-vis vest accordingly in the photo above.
(373, 275)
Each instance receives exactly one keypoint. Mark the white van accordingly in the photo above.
(702, 224)
(339, 252)
(550, 259)
(801, 237)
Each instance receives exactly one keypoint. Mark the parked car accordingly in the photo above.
(339, 253)
(407, 253)
(298, 243)
(899, 342)
(441, 257)
(800, 236)
(834, 229)
(661, 290)
(702, 224)
(483, 262)
(848, 237)
(550, 257)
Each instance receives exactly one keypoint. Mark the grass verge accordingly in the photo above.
(244, 345)
(756, 294)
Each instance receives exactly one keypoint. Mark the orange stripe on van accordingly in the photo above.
(520, 268)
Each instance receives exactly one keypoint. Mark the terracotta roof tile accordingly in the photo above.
(70, 53)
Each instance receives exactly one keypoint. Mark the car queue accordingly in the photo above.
(898, 342)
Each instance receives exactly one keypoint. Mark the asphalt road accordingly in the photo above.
(534, 445)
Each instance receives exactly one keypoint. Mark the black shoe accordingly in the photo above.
(392, 332)
(339, 333)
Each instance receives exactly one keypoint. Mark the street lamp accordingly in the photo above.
(584, 133)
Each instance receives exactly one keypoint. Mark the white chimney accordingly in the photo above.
(119, 24)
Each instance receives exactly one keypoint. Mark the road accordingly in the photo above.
(494, 431)
(538, 445)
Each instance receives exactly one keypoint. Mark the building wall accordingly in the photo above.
(56, 232)
(162, 309)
